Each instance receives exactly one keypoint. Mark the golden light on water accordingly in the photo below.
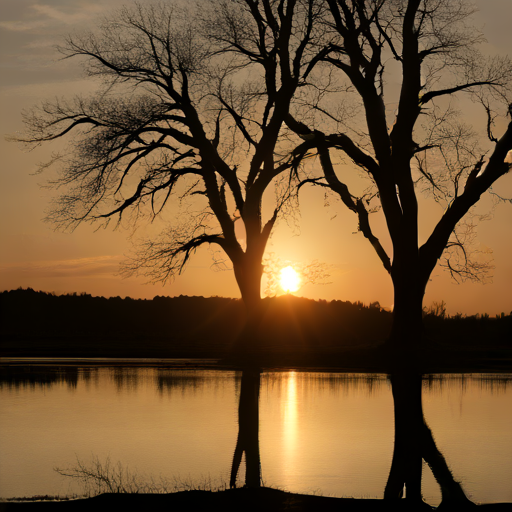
(290, 418)
(319, 431)
(289, 279)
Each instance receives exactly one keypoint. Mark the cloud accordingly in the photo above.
(40, 16)
(99, 266)
(79, 16)
(22, 26)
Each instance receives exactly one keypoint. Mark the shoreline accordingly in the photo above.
(263, 499)
(361, 360)
(260, 499)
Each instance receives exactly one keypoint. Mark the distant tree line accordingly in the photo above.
(36, 323)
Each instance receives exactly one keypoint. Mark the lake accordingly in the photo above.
(327, 433)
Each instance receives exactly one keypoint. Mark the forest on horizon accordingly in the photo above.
(37, 323)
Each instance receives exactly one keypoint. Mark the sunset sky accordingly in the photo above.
(33, 255)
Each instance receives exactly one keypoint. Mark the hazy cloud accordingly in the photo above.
(21, 26)
(40, 16)
(82, 267)
(81, 14)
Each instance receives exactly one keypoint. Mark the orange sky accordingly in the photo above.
(31, 254)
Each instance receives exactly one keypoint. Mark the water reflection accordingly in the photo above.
(248, 430)
(326, 431)
(493, 382)
(414, 443)
(164, 377)
(291, 417)
(124, 378)
(42, 376)
(168, 380)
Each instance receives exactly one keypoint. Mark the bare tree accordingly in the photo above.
(192, 107)
(412, 139)
(190, 117)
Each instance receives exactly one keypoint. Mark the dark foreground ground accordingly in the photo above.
(264, 499)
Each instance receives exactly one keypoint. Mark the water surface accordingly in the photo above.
(330, 433)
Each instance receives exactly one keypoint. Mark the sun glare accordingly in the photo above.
(289, 280)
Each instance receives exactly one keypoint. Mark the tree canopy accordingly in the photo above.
(192, 104)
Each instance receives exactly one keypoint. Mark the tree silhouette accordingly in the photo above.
(410, 140)
(192, 107)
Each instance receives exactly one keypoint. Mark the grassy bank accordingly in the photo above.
(264, 499)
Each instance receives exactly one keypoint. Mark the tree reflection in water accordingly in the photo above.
(414, 443)
(248, 430)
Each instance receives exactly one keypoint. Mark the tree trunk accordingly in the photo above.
(407, 327)
(249, 282)
(248, 275)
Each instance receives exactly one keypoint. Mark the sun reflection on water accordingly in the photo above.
(290, 417)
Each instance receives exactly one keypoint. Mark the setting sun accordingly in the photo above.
(289, 280)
